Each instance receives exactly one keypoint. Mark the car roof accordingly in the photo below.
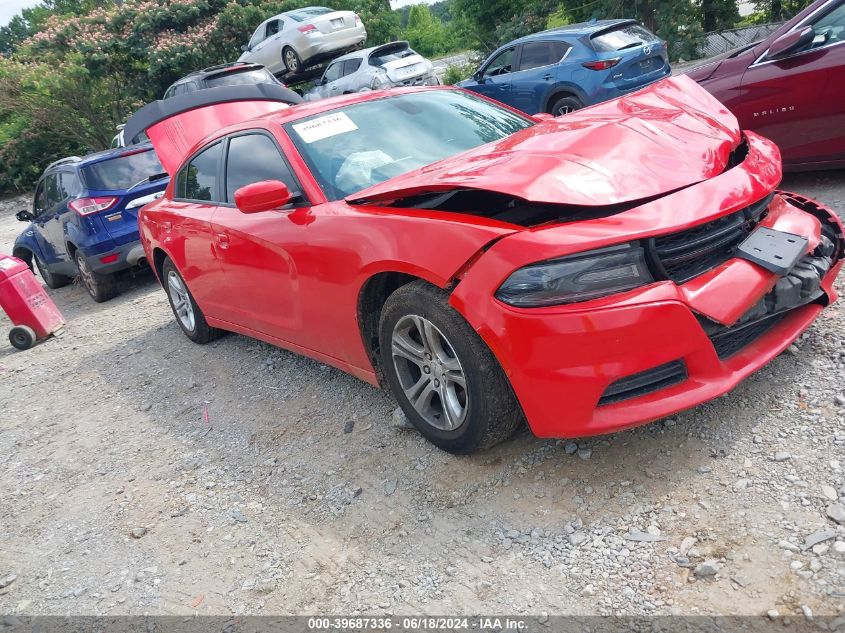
(107, 154)
(219, 69)
(574, 30)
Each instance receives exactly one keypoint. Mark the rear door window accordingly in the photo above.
(537, 54)
(198, 179)
(122, 171)
(351, 66)
(273, 27)
(622, 37)
(253, 158)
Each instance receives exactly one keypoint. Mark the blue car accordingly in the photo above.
(567, 68)
(84, 218)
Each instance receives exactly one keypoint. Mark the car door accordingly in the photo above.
(536, 74)
(53, 221)
(186, 221)
(270, 49)
(40, 212)
(256, 250)
(494, 78)
(797, 100)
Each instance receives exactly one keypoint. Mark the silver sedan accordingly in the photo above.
(290, 42)
(387, 66)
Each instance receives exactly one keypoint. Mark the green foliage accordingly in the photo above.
(428, 34)
(457, 73)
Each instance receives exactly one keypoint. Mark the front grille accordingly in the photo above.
(645, 382)
(686, 254)
(728, 341)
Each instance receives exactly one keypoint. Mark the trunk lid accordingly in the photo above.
(334, 21)
(399, 70)
(668, 136)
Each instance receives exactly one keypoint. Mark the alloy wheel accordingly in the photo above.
(182, 306)
(291, 61)
(430, 373)
(564, 110)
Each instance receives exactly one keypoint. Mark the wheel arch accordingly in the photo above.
(159, 255)
(24, 253)
(372, 296)
(562, 90)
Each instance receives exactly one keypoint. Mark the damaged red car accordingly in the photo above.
(583, 274)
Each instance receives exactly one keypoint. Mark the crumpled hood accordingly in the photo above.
(666, 137)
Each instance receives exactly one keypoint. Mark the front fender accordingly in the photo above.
(26, 241)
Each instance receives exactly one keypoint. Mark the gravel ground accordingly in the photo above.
(144, 474)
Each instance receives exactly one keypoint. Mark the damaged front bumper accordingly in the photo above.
(624, 360)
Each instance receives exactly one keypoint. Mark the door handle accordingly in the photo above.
(222, 240)
(548, 76)
(504, 86)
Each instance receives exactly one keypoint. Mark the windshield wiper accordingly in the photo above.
(152, 178)
(631, 45)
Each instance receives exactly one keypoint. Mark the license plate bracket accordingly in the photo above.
(777, 251)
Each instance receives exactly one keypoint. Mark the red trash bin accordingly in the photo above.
(32, 311)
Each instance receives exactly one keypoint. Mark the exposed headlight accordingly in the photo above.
(577, 277)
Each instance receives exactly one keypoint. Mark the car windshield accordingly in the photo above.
(300, 15)
(123, 171)
(352, 148)
(625, 36)
(256, 76)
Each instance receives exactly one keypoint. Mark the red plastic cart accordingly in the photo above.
(30, 309)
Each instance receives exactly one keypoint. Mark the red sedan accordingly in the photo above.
(790, 87)
(585, 274)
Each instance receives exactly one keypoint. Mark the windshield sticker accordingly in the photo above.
(325, 127)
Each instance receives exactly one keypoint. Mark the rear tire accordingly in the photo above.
(442, 374)
(565, 105)
(188, 314)
(22, 337)
(101, 287)
(51, 280)
(291, 60)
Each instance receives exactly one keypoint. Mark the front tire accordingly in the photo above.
(443, 375)
(51, 279)
(291, 60)
(565, 105)
(101, 287)
(188, 314)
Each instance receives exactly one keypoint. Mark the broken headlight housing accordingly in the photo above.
(576, 278)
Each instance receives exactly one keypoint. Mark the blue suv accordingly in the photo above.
(567, 68)
(84, 218)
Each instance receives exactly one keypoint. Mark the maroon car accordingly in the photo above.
(790, 87)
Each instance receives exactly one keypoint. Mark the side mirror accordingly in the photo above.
(24, 216)
(262, 196)
(245, 48)
(478, 77)
(543, 116)
(791, 43)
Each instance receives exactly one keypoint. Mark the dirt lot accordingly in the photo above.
(140, 473)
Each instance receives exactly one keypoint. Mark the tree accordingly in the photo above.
(718, 14)
(427, 32)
